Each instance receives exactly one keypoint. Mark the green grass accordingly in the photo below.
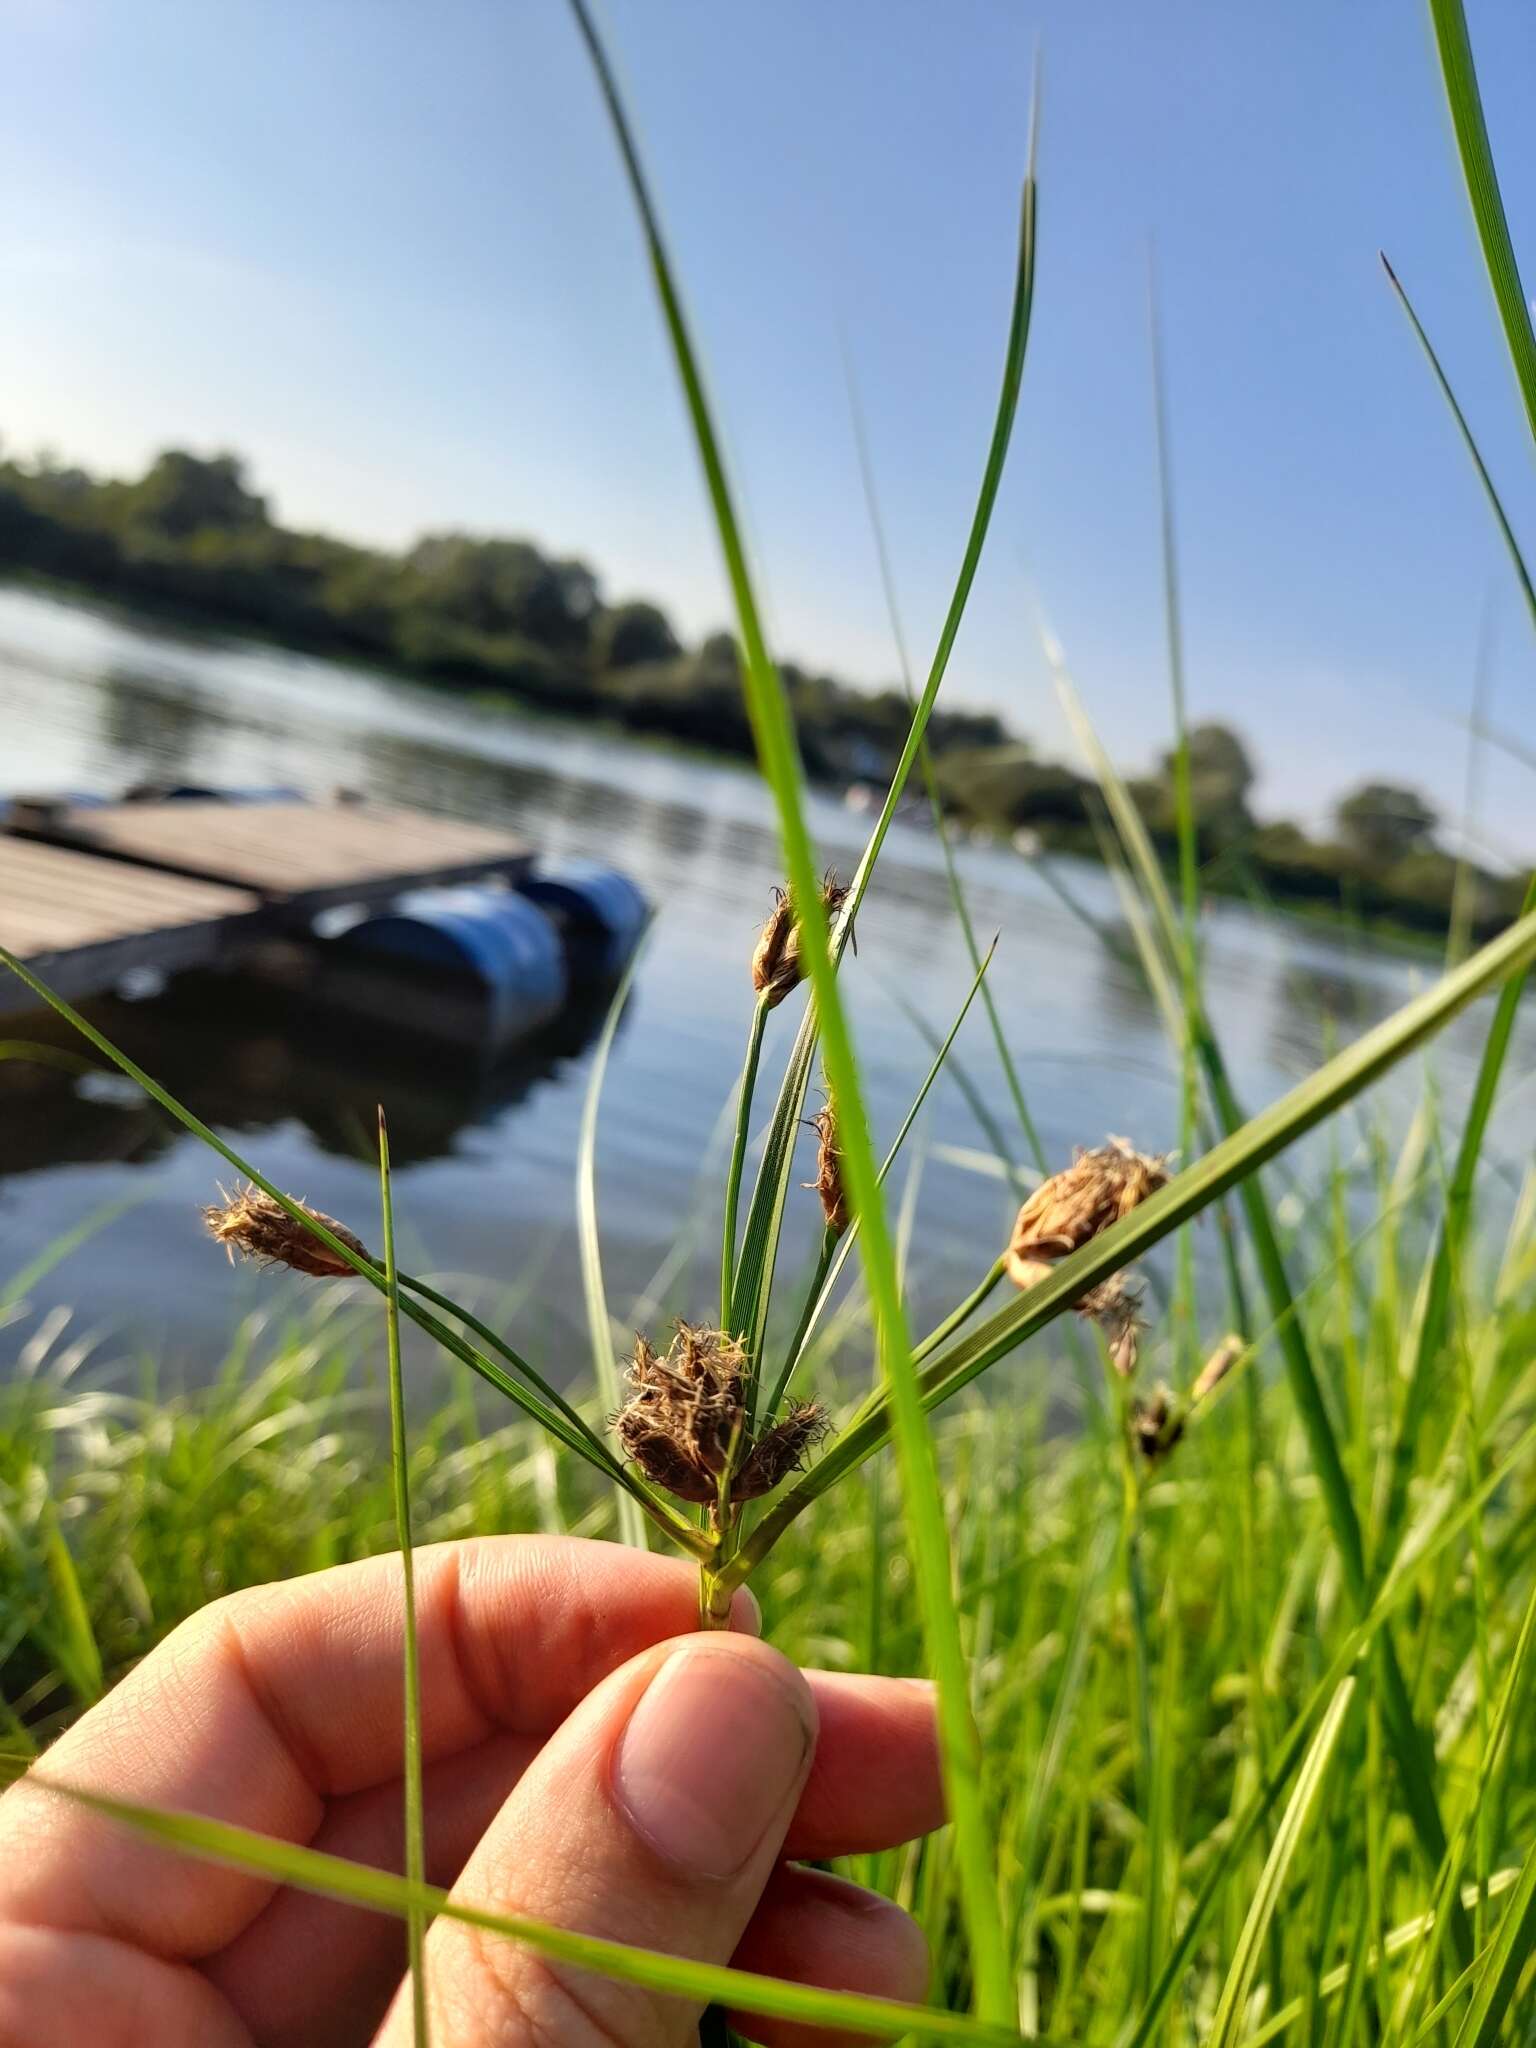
(280, 1467)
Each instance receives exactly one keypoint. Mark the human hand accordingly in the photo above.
(587, 1763)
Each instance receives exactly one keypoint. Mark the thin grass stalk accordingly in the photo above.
(1245, 1823)
(1186, 1315)
(1507, 1709)
(1512, 1949)
(399, 1466)
(961, 1314)
(594, 1293)
(779, 757)
(766, 1210)
(738, 1160)
(963, 917)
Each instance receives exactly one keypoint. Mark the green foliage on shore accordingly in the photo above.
(501, 617)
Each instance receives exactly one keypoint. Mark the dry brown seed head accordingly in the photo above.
(1096, 1190)
(776, 958)
(829, 1171)
(1156, 1425)
(1115, 1305)
(1217, 1366)
(777, 968)
(780, 1451)
(251, 1223)
(684, 1423)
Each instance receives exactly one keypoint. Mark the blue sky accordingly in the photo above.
(384, 249)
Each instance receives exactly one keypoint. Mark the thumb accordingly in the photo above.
(653, 1816)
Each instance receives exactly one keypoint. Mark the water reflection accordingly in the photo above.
(246, 1056)
(154, 731)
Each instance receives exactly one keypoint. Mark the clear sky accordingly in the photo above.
(382, 248)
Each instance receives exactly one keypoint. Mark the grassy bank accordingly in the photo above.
(1145, 1635)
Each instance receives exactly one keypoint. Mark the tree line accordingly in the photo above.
(500, 616)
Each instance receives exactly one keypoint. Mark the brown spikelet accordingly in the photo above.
(1216, 1367)
(1097, 1189)
(776, 960)
(780, 1451)
(685, 1423)
(251, 1223)
(777, 968)
(1156, 1425)
(829, 1171)
(1068, 1210)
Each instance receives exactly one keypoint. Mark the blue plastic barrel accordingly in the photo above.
(210, 793)
(601, 913)
(492, 937)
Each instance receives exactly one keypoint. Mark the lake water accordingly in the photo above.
(91, 700)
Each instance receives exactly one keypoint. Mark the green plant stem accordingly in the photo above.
(958, 1317)
(399, 1462)
(739, 1157)
(773, 732)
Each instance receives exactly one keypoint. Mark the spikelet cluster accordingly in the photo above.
(685, 1422)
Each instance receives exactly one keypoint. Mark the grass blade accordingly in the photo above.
(1299, 1809)
(836, 1258)
(1512, 1950)
(1459, 75)
(745, 1091)
(1432, 1310)
(415, 1834)
(595, 1295)
(380, 1891)
(773, 732)
(930, 779)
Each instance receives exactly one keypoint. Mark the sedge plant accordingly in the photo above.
(1205, 1920)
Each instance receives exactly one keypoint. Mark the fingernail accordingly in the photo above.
(713, 1756)
(746, 1612)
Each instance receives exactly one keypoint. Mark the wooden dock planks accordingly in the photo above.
(83, 923)
(88, 895)
(307, 856)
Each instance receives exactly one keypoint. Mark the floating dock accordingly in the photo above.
(92, 894)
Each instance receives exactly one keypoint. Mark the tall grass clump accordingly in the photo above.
(1230, 1609)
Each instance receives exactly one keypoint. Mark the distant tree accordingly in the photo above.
(503, 586)
(628, 634)
(1383, 821)
(1006, 787)
(181, 494)
(1221, 775)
